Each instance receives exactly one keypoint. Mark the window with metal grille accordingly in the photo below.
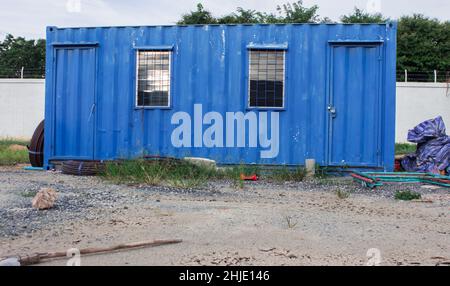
(153, 78)
(266, 78)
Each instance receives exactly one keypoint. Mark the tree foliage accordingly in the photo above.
(294, 12)
(423, 44)
(242, 16)
(297, 13)
(360, 16)
(16, 53)
(199, 16)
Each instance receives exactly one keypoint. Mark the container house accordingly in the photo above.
(236, 94)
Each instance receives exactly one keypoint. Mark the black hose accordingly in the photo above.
(82, 168)
(36, 148)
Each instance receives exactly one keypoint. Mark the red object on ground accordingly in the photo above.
(367, 180)
(444, 181)
(398, 165)
(249, 178)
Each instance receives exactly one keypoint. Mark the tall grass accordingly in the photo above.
(12, 157)
(180, 173)
(321, 172)
(176, 173)
(285, 174)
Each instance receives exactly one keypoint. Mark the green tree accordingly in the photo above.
(16, 53)
(242, 16)
(423, 44)
(200, 16)
(360, 16)
(294, 12)
(297, 13)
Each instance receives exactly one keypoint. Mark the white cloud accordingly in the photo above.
(73, 6)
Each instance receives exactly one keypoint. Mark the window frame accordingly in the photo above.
(275, 47)
(169, 50)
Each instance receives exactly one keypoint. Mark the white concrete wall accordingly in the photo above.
(21, 107)
(417, 102)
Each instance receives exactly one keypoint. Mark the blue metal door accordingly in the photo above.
(74, 102)
(354, 107)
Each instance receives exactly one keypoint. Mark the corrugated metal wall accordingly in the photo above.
(210, 67)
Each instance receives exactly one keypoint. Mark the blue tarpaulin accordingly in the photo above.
(433, 148)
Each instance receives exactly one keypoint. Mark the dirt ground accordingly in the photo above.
(265, 223)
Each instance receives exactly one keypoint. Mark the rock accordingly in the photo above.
(13, 261)
(44, 199)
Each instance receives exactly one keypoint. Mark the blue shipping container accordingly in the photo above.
(253, 94)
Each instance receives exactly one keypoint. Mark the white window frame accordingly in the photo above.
(169, 99)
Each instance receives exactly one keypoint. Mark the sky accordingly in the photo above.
(28, 18)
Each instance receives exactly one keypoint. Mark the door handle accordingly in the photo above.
(332, 111)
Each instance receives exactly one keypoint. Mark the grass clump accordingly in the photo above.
(404, 148)
(290, 222)
(407, 196)
(184, 174)
(341, 194)
(9, 153)
(321, 172)
(176, 173)
(284, 174)
(28, 194)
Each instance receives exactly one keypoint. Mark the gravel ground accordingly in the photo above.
(265, 223)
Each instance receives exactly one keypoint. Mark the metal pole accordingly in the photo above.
(435, 76)
(406, 75)
(21, 73)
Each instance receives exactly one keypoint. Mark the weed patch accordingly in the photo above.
(341, 194)
(321, 172)
(285, 174)
(407, 196)
(290, 222)
(29, 194)
(184, 174)
(176, 173)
